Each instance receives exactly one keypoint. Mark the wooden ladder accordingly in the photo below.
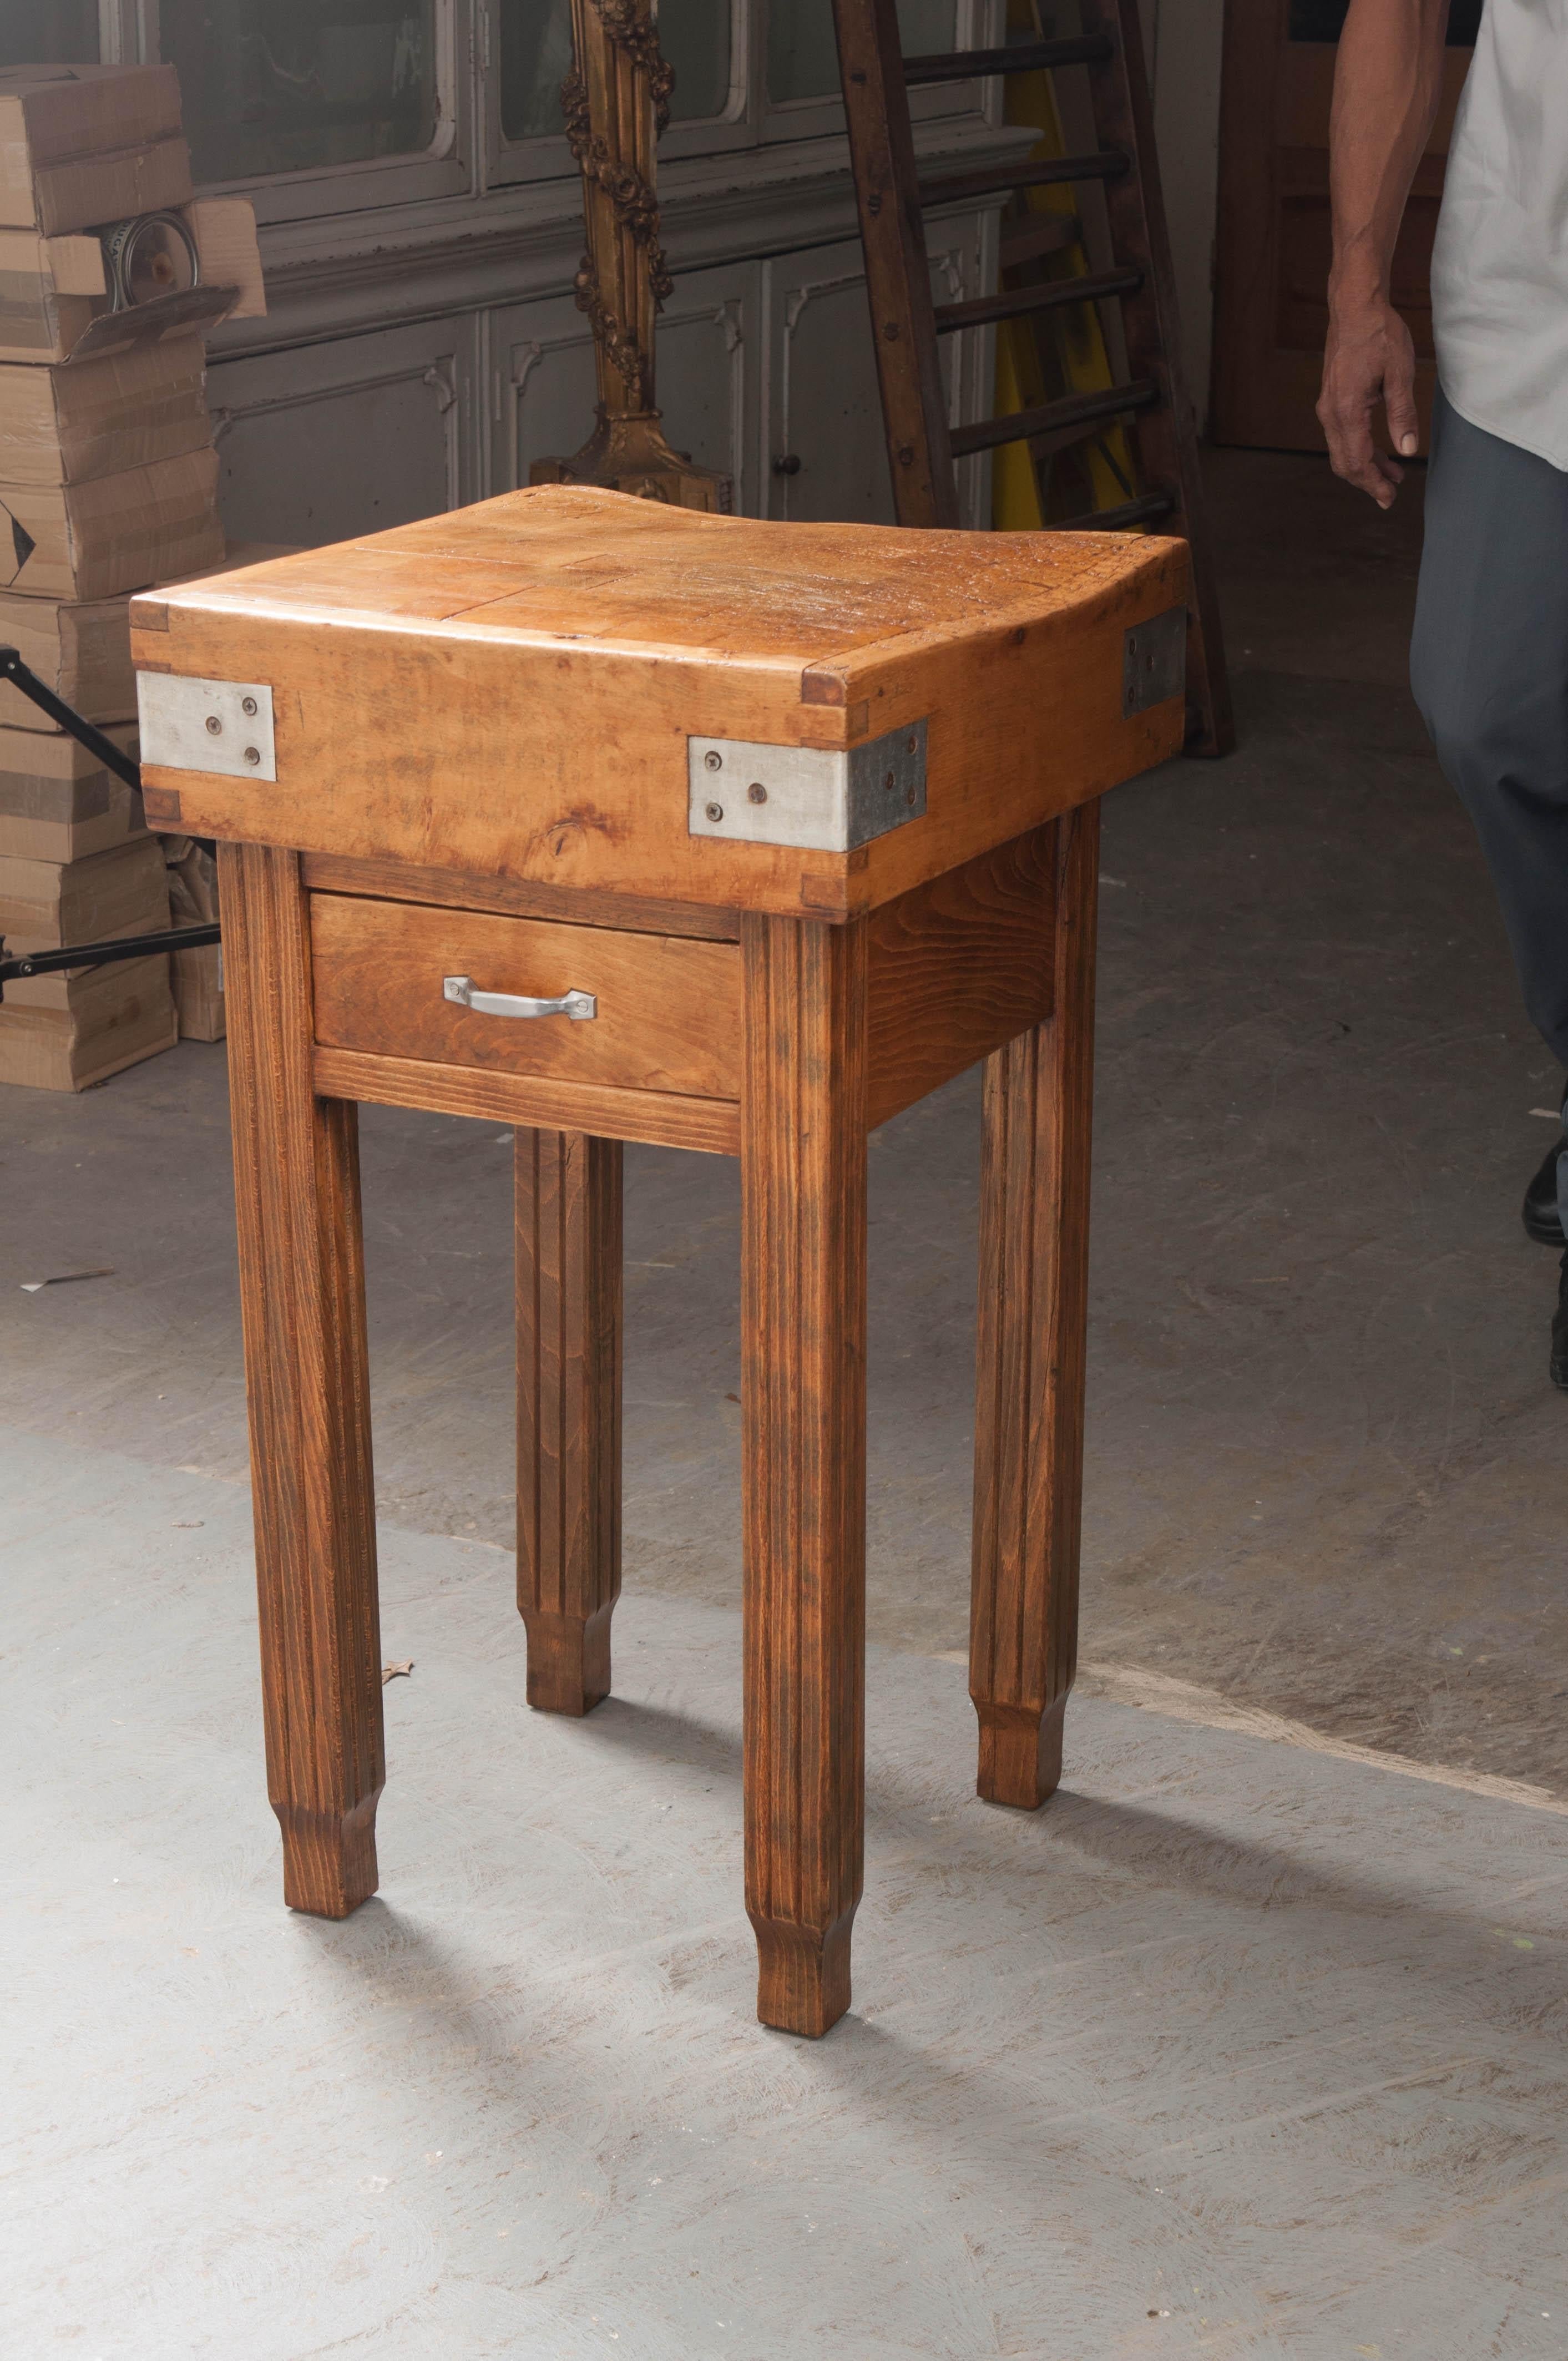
(922, 447)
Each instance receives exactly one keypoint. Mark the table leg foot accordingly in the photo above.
(296, 1169)
(568, 1662)
(1020, 1753)
(803, 1983)
(1034, 1246)
(329, 1860)
(802, 1390)
(569, 1411)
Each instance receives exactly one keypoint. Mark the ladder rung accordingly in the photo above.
(1019, 57)
(1042, 234)
(1074, 409)
(1013, 303)
(1108, 165)
(1143, 510)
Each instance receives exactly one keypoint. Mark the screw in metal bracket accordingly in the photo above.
(757, 793)
(715, 813)
(214, 727)
(253, 753)
(714, 761)
(247, 705)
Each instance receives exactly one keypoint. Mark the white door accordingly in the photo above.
(334, 440)
(826, 453)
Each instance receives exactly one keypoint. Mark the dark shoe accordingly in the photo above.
(1559, 1331)
(1541, 1220)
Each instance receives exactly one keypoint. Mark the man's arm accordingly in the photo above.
(1387, 81)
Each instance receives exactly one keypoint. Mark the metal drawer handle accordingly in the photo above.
(460, 988)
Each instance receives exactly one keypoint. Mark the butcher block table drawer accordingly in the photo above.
(667, 1008)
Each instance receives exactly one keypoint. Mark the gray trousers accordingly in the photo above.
(1489, 668)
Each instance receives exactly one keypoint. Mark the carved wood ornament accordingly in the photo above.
(617, 103)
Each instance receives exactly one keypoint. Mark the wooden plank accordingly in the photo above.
(1033, 1314)
(1018, 57)
(658, 1118)
(898, 276)
(569, 1411)
(957, 968)
(1055, 417)
(958, 188)
(557, 757)
(302, 1306)
(397, 881)
(802, 1170)
(1014, 302)
(1168, 435)
(669, 1008)
(595, 575)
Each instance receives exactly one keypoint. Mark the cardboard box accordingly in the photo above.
(46, 755)
(56, 303)
(197, 976)
(63, 1033)
(71, 424)
(34, 836)
(196, 979)
(49, 904)
(118, 532)
(83, 652)
(80, 145)
(57, 802)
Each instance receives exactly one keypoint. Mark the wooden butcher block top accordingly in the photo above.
(567, 685)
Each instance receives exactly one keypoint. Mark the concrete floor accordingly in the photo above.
(1325, 1483)
(1234, 2051)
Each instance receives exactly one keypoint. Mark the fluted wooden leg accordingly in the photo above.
(803, 1161)
(569, 1411)
(303, 1301)
(1032, 1311)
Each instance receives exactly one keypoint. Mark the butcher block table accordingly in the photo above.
(615, 822)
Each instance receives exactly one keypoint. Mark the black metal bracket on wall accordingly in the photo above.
(114, 758)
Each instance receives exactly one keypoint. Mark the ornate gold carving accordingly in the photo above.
(615, 101)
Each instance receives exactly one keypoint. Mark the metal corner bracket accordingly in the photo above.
(1154, 661)
(816, 798)
(221, 726)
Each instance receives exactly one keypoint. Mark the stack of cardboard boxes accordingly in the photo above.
(109, 274)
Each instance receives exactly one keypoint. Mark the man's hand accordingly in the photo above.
(1387, 81)
(1369, 360)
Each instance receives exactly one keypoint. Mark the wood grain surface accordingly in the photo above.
(659, 1117)
(669, 1008)
(802, 1170)
(302, 1303)
(509, 691)
(398, 881)
(569, 1411)
(1033, 1311)
(957, 968)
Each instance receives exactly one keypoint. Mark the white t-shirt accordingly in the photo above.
(1500, 265)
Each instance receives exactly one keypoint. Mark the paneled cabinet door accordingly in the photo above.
(708, 367)
(329, 441)
(826, 456)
